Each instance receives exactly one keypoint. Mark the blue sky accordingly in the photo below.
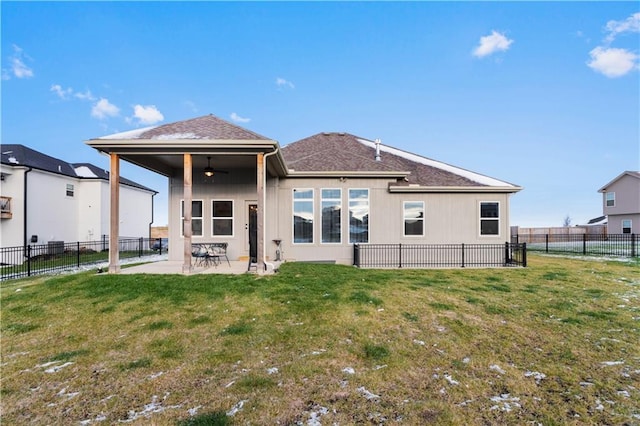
(543, 94)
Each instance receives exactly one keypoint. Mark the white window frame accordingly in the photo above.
(405, 218)
(630, 227)
(293, 214)
(610, 197)
(213, 218)
(497, 219)
(201, 218)
(332, 200)
(368, 212)
(70, 190)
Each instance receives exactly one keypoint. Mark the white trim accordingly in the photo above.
(404, 219)
(192, 217)
(232, 217)
(498, 219)
(313, 216)
(606, 199)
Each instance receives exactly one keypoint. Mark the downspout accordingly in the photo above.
(150, 223)
(25, 208)
(264, 214)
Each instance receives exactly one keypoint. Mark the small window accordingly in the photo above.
(626, 226)
(303, 216)
(222, 212)
(413, 215)
(196, 218)
(610, 199)
(489, 218)
(70, 190)
(331, 215)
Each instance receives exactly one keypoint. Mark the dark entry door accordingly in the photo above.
(253, 232)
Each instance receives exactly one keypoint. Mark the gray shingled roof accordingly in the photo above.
(205, 127)
(346, 152)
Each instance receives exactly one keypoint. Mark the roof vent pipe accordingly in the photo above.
(378, 150)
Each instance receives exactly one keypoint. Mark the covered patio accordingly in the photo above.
(165, 267)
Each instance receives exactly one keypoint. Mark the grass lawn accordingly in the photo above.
(555, 343)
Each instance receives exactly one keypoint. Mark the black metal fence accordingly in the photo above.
(619, 245)
(439, 255)
(24, 261)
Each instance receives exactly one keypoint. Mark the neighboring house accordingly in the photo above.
(621, 203)
(46, 199)
(310, 200)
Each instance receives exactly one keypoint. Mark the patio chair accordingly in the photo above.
(218, 251)
(200, 255)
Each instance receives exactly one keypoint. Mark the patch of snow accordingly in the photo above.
(236, 408)
(84, 171)
(610, 363)
(57, 368)
(131, 134)
(466, 360)
(379, 367)
(419, 342)
(584, 384)
(193, 411)
(497, 369)
(536, 375)
(175, 136)
(154, 406)
(368, 395)
(505, 402)
(155, 376)
(231, 383)
(624, 393)
(450, 379)
(348, 370)
(314, 416)
(476, 177)
(272, 370)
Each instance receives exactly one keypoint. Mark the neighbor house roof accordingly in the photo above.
(344, 153)
(19, 155)
(620, 176)
(205, 127)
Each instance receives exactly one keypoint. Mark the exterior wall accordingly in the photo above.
(135, 211)
(90, 210)
(11, 229)
(627, 204)
(238, 186)
(614, 224)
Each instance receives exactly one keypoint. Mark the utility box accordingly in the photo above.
(55, 247)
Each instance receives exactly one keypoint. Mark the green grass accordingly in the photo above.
(327, 342)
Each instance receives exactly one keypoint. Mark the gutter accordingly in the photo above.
(264, 213)
(450, 189)
(25, 208)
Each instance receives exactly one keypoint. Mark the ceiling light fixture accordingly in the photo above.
(208, 171)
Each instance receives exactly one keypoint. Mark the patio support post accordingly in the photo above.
(187, 212)
(114, 218)
(260, 213)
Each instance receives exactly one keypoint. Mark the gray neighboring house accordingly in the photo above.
(46, 199)
(621, 203)
(310, 200)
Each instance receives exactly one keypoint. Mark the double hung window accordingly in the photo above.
(196, 218)
(489, 218)
(222, 218)
(610, 198)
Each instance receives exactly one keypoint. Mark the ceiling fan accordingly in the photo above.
(209, 171)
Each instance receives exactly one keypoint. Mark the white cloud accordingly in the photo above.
(491, 44)
(629, 25)
(281, 82)
(612, 62)
(17, 65)
(104, 109)
(86, 96)
(235, 117)
(62, 93)
(148, 114)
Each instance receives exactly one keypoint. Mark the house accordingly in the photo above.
(46, 199)
(310, 200)
(621, 203)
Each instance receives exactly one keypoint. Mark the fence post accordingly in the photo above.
(356, 255)
(633, 245)
(140, 247)
(524, 255)
(400, 255)
(584, 244)
(546, 242)
(29, 260)
(78, 253)
(507, 260)
(462, 256)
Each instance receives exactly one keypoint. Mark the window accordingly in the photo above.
(222, 217)
(626, 226)
(358, 216)
(413, 215)
(489, 218)
(331, 214)
(70, 190)
(610, 199)
(303, 215)
(196, 218)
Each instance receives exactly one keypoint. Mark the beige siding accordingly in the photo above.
(627, 196)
